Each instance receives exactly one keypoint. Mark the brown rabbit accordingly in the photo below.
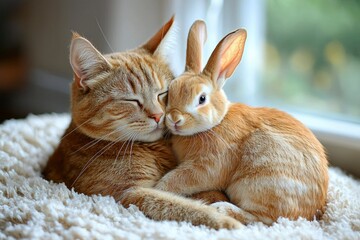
(269, 164)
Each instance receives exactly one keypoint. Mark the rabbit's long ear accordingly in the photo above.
(155, 44)
(226, 57)
(195, 42)
(86, 61)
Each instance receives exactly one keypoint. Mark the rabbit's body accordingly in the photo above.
(269, 164)
(266, 163)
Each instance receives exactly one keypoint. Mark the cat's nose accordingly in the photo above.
(156, 116)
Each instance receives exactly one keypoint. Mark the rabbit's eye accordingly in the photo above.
(202, 99)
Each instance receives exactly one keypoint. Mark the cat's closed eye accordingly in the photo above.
(134, 101)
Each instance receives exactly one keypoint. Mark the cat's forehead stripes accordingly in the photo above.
(134, 77)
(160, 81)
(138, 71)
(133, 86)
(148, 66)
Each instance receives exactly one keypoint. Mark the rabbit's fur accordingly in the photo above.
(268, 163)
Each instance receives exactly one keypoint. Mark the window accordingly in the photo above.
(313, 57)
(301, 56)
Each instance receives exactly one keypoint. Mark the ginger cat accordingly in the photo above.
(268, 163)
(113, 145)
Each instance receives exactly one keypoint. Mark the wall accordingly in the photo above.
(48, 26)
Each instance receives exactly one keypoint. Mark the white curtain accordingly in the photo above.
(223, 17)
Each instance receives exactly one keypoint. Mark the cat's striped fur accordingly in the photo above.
(113, 145)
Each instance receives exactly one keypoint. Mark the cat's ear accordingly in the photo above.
(156, 44)
(86, 61)
(195, 42)
(226, 57)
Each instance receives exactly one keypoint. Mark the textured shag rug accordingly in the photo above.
(33, 208)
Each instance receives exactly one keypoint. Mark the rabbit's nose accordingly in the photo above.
(175, 119)
(178, 122)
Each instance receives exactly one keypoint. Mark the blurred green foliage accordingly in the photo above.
(313, 57)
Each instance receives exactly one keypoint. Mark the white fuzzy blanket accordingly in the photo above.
(33, 208)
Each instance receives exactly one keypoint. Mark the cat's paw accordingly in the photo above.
(224, 207)
(234, 211)
(226, 222)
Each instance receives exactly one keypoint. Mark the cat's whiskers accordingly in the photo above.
(87, 145)
(132, 140)
(106, 40)
(93, 158)
(132, 143)
(75, 129)
(127, 145)
(95, 141)
(103, 34)
(127, 165)
(132, 137)
(126, 136)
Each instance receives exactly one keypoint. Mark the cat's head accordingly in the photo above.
(121, 96)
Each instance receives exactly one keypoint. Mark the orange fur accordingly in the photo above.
(113, 144)
(268, 163)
